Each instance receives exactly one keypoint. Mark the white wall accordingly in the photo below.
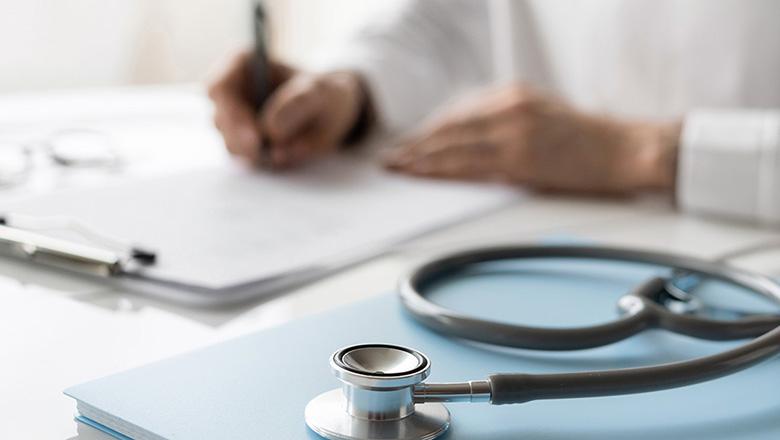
(47, 43)
(306, 27)
(76, 43)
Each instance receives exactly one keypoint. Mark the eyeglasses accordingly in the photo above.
(68, 148)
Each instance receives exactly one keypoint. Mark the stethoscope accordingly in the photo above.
(384, 396)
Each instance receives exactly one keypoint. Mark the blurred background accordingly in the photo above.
(51, 44)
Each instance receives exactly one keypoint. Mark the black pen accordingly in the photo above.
(261, 81)
(260, 74)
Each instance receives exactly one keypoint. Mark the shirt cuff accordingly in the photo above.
(729, 164)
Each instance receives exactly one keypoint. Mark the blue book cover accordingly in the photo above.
(257, 386)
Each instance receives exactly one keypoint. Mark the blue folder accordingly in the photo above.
(257, 386)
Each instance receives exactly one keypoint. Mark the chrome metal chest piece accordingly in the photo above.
(377, 398)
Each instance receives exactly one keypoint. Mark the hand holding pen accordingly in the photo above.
(277, 116)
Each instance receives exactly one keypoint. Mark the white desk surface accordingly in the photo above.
(56, 331)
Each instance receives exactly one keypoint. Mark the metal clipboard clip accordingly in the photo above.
(86, 258)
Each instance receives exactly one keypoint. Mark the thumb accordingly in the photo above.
(290, 111)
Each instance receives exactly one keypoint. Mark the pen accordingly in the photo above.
(260, 74)
(260, 86)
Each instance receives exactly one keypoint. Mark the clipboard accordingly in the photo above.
(226, 234)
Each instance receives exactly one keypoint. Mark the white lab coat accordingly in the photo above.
(715, 63)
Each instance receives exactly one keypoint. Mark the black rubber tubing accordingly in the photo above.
(456, 324)
(520, 388)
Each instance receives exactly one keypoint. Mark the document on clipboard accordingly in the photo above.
(227, 233)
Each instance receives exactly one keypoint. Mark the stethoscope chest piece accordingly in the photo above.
(376, 400)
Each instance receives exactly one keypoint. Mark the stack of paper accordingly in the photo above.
(227, 232)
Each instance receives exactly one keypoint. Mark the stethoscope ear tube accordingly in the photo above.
(636, 318)
(640, 310)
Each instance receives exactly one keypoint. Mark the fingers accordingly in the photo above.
(290, 121)
(229, 75)
(450, 151)
(234, 114)
(233, 77)
(280, 73)
(458, 145)
(472, 161)
(289, 110)
(236, 122)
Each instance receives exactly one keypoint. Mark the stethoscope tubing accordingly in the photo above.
(639, 310)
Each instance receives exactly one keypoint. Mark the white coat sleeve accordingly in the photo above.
(729, 164)
(417, 56)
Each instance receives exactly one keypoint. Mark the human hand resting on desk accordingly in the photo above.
(305, 115)
(521, 136)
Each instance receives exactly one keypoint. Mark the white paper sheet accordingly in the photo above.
(226, 225)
